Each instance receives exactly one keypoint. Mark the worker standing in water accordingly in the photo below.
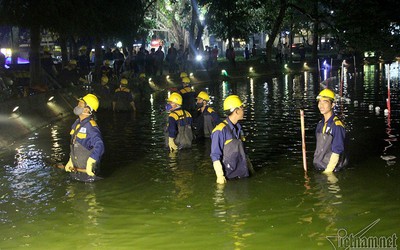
(206, 118)
(87, 145)
(330, 134)
(227, 151)
(123, 98)
(178, 132)
(188, 96)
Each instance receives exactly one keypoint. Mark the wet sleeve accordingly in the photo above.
(339, 134)
(130, 97)
(215, 118)
(217, 145)
(97, 144)
(172, 127)
(190, 121)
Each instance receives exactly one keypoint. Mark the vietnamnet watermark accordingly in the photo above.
(344, 240)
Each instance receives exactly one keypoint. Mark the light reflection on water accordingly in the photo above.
(153, 199)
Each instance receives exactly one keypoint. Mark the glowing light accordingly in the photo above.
(15, 109)
(167, 76)
(50, 99)
(199, 58)
(119, 44)
(223, 72)
(191, 74)
(305, 64)
(150, 79)
(286, 66)
(251, 69)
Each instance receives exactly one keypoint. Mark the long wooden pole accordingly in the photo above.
(303, 139)
(341, 80)
(61, 166)
(355, 70)
(319, 71)
(388, 83)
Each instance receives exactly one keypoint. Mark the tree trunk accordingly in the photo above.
(199, 35)
(191, 28)
(64, 50)
(275, 29)
(314, 52)
(98, 58)
(34, 59)
(14, 44)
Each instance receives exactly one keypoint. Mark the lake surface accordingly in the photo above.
(151, 199)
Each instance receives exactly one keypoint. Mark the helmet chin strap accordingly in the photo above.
(90, 112)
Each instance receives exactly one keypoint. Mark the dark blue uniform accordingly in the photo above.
(86, 141)
(330, 136)
(206, 121)
(123, 98)
(180, 127)
(227, 147)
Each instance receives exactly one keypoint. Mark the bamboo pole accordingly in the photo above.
(341, 80)
(355, 70)
(388, 83)
(303, 140)
(319, 71)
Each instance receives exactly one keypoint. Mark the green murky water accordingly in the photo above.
(153, 200)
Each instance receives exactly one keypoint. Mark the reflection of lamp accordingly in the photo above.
(15, 113)
(50, 99)
(15, 109)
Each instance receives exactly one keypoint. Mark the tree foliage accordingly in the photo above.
(229, 19)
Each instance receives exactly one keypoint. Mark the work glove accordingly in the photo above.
(331, 178)
(69, 167)
(332, 163)
(90, 164)
(219, 172)
(171, 144)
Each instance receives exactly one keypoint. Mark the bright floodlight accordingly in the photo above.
(15, 109)
(199, 57)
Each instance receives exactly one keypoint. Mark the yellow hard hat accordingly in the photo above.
(232, 102)
(183, 74)
(72, 62)
(175, 98)
(142, 75)
(46, 49)
(203, 95)
(326, 93)
(124, 81)
(185, 79)
(104, 79)
(91, 101)
(83, 47)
